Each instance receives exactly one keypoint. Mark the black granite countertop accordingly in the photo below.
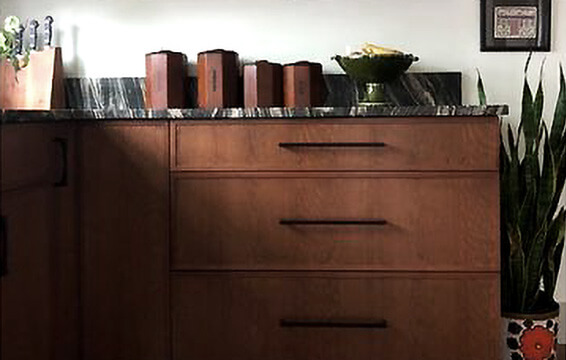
(21, 116)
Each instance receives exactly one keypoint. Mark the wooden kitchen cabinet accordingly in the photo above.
(124, 197)
(39, 289)
(363, 238)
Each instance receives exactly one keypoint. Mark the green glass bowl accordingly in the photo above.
(375, 68)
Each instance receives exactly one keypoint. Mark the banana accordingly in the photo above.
(372, 49)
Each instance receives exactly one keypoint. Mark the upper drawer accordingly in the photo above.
(28, 154)
(459, 144)
(328, 221)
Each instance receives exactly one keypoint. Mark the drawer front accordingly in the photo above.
(335, 316)
(330, 222)
(417, 145)
(28, 156)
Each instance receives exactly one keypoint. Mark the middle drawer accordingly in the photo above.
(445, 222)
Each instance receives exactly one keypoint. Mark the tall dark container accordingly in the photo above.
(217, 79)
(263, 84)
(303, 84)
(165, 79)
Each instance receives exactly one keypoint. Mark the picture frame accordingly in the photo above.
(515, 25)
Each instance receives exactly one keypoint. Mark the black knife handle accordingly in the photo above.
(324, 323)
(3, 246)
(48, 31)
(33, 34)
(19, 48)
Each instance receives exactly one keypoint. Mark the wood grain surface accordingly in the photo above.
(39, 86)
(66, 249)
(165, 76)
(263, 84)
(418, 145)
(28, 156)
(220, 316)
(124, 233)
(28, 306)
(436, 222)
(218, 79)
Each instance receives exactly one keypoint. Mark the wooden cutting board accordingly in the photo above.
(39, 86)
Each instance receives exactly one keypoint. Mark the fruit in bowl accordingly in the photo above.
(375, 64)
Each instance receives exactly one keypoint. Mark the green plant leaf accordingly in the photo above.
(526, 218)
(539, 99)
(559, 119)
(560, 175)
(516, 266)
(547, 184)
(558, 256)
(529, 124)
(535, 260)
(555, 238)
(510, 185)
(481, 91)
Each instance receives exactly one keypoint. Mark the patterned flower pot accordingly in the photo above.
(530, 337)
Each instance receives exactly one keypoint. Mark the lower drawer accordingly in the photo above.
(335, 316)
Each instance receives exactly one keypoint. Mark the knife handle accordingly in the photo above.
(33, 43)
(19, 48)
(48, 31)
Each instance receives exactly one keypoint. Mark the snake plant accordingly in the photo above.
(532, 177)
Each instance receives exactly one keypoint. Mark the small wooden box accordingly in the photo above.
(263, 84)
(303, 84)
(165, 78)
(217, 79)
(39, 86)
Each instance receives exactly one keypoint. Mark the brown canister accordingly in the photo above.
(263, 84)
(303, 84)
(217, 79)
(165, 78)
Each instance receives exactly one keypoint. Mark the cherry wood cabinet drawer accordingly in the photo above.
(356, 221)
(335, 316)
(405, 144)
(29, 155)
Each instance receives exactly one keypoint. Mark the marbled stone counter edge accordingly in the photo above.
(21, 116)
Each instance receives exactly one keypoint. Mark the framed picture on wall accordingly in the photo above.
(515, 25)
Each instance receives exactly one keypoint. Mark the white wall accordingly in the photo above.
(110, 37)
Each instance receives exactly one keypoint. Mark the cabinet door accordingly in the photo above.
(124, 229)
(65, 247)
(27, 156)
(39, 292)
(28, 284)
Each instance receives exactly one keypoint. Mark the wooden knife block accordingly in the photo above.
(39, 86)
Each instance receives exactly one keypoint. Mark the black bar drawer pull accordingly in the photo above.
(331, 144)
(318, 323)
(3, 246)
(372, 222)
